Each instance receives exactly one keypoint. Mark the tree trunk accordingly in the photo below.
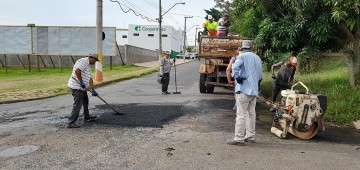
(354, 64)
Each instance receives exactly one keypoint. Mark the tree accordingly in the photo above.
(291, 25)
(216, 14)
(190, 49)
(346, 14)
(224, 5)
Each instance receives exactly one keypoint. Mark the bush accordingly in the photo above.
(308, 60)
(273, 58)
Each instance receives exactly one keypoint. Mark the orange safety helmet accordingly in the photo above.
(293, 61)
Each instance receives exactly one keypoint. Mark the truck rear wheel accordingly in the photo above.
(202, 86)
(210, 87)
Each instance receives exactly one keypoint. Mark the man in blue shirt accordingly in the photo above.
(247, 71)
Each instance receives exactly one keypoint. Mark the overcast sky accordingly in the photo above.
(83, 13)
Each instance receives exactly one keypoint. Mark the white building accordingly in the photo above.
(147, 36)
(122, 36)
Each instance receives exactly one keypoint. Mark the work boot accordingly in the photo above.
(89, 118)
(73, 125)
(233, 142)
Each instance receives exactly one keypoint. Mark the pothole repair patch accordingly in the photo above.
(18, 150)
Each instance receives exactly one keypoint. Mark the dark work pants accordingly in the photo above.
(80, 99)
(166, 81)
(277, 89)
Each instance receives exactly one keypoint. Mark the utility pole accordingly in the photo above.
(186, 17)
(160, 28)
(160, 31)
(99, 45)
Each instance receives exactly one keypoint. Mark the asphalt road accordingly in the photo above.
(183, 131)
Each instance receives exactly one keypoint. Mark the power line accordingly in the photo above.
(136, 7)
(135, 13)
(151, 3)
(185, 15)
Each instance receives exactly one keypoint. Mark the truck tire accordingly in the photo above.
(209, 87)
(202, 86)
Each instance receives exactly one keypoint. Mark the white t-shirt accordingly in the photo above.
(84, 65)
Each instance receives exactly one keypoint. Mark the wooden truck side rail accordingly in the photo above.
(219, 47)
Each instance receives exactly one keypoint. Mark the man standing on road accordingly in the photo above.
(249, 68)
(80, 77)
(165, 68)
(284, 78)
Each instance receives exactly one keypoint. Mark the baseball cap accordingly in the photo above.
(293, 61)
(210, 17)
(246, 44)
(94, 55)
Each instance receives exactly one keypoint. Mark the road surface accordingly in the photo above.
(183, 131)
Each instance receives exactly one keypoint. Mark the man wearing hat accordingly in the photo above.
(284, 78)
(247, 71)
(165, 68)
(81, 77)
(210, 25)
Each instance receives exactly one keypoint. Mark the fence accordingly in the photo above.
(53, 46)
(127, 55)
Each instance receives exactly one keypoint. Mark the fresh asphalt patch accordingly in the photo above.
(140, 115)
(157, 115)
(339, 135)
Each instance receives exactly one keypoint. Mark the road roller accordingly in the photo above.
(299, 113)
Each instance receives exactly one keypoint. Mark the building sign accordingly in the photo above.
(144, 28)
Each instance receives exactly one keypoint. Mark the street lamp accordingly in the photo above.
(160, 28)
(186, 17)
(191, 27)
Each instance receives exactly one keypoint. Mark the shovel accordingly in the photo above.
(116, 112)
(176, 92)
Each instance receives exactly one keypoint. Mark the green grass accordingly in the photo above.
(19, 84)
(331, 80)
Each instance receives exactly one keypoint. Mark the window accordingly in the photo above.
(136, 34)
(124, 36)
(164, 35)
(150, 35)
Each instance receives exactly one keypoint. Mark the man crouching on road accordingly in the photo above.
(247, 71)
(80, 77)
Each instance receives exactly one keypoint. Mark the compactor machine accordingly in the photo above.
(300, 114)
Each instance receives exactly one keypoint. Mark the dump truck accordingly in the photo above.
(216, 52)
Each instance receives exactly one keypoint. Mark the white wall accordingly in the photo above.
(171, 42)
(120, 36)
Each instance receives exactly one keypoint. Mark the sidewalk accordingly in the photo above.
(156, 63)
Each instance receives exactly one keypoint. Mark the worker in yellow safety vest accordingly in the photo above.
(210, 25)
